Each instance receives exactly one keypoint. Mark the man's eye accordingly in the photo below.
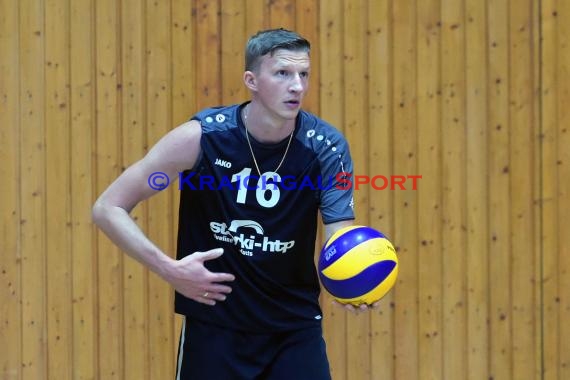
(282, 72)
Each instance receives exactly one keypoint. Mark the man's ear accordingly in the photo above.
(250, 80)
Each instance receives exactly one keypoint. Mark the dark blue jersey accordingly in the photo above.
(266, 223)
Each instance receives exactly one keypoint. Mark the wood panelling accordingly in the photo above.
(10, 210)
(332, 104)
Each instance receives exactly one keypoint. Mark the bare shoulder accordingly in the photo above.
(175, 152)
(178, 150)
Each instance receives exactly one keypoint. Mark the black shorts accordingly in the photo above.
(208, 352)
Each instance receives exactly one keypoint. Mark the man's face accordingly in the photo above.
(283, 81)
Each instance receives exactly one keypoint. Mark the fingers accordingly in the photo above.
(221, 277)
(211, 254)
(214, 293)
(217, 288)
(205, 300)
(210, 298)
(208, 293)
(356, 309)
(193, 280)
(346, 306)
(214, 296)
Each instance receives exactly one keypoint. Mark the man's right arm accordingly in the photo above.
(175, 152)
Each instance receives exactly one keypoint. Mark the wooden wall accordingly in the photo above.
(470, 94)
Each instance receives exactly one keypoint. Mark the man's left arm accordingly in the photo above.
(331, 228)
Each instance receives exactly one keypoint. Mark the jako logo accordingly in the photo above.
(225, 164)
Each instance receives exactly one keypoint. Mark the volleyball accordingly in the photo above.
(358, 265)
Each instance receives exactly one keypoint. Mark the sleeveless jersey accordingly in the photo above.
(266, 224)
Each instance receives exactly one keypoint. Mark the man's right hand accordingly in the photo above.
(192, 279)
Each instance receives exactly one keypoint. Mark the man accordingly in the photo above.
(253, 177)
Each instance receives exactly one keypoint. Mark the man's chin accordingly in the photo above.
(292, 113)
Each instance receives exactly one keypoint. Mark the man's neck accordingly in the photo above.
(263, 128)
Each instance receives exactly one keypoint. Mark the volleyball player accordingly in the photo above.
(244, 274)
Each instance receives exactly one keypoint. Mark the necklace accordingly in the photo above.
(245, 114)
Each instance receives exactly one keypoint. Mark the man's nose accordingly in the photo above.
(296, 83)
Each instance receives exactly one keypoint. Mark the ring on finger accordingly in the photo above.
(205, 295)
